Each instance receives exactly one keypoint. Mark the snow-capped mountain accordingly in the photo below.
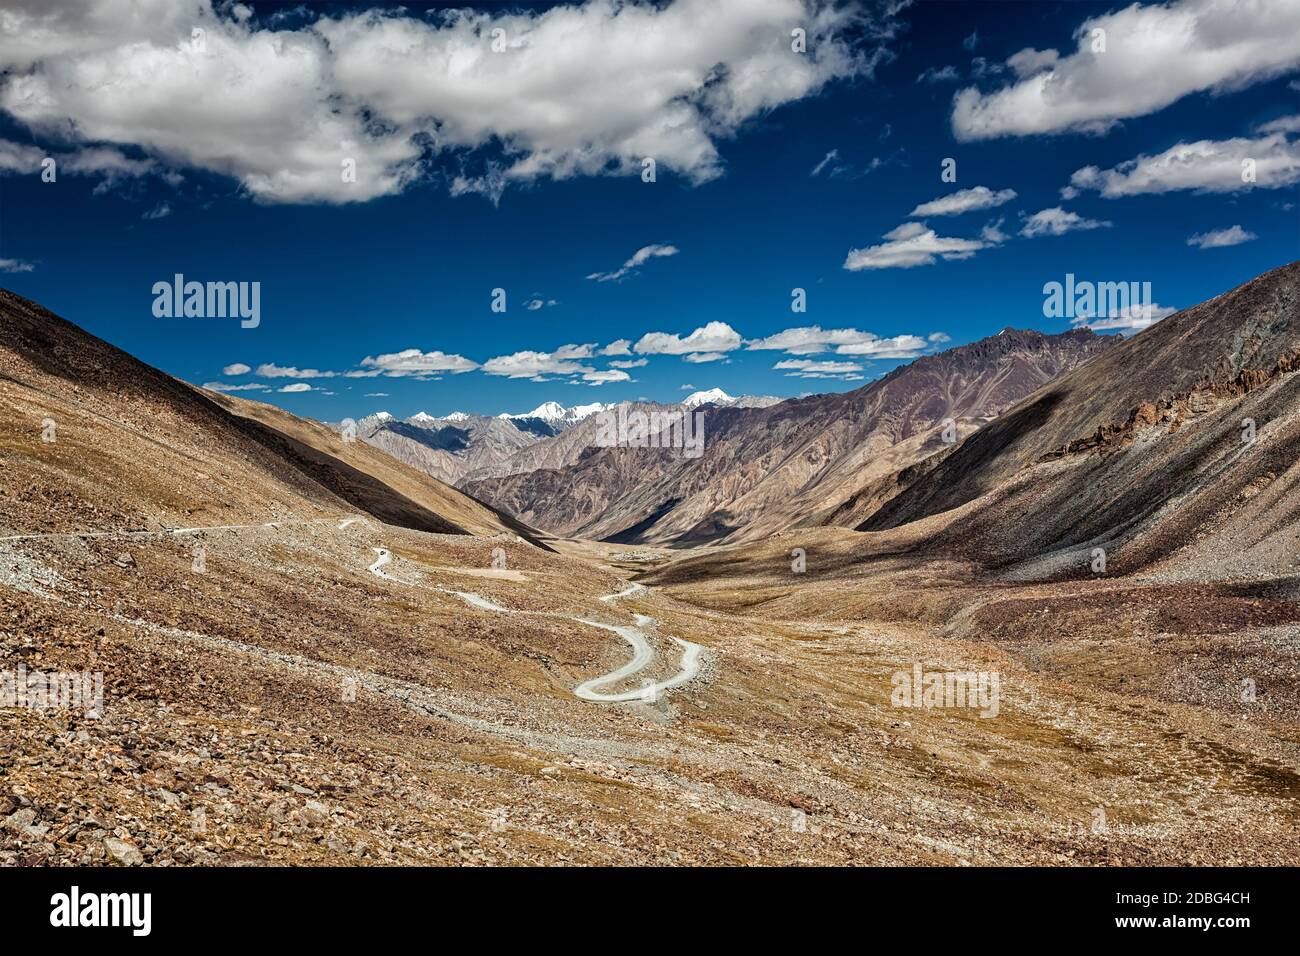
(557, 416)
(716, 396)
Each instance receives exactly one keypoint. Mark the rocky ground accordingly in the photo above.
(286, 705)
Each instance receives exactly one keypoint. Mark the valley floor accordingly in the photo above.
(300, 700)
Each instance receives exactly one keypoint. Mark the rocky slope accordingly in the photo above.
(94, 439)
(768, 468)
(1142, 452)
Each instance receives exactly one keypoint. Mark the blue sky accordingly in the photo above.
(147, 190)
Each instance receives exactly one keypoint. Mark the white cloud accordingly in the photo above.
(992, 232)
(1206, 165)
(1154, 55)
(826, 160)
(112, 165)
(911, 244)
(699, 358)
(809, 340)
(159, 211)
(964, 200)
(939, 337)
(15, 265)
(1128, 319)
(810, 365)
(807, 368)
(413, 362)
(712, 337)
(271, 370)
(227, 387)
(1057, 222)
(1283, 124)
(376, 395)
(617, 347)
(236, 368)
(602, 377)
(539, 366)
(535, 303)
(579, 89)
(655, 250)
(894, 347)
(1030, 61)
(1219, 238)
(296, 387)
(630, 363)
(947, 74)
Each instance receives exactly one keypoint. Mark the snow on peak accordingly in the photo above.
(455, 417)
(715, 396)
(554, 413)
(422, 417)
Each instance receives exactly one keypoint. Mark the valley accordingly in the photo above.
(371, 666)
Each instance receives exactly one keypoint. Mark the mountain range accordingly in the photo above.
(461, 447)
(775, 466)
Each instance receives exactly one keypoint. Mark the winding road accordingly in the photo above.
(642, 653)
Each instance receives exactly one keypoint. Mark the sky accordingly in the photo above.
(919, 170)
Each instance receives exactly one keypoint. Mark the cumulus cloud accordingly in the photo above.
(602, 377)
(809, 368)
(271, 370)
(964, 200)
(227, 387)
(1057, 222)
(811, 339)
(1154, 55)
(894, 347)
(711, 338)
(1219, 238)
(541, 366)
(645, 253)
(911, 244)
(1207, 166)
(1283, 124)
(617, 347)
(236, 368)
(412, 362)
(577, 89)
(296, 387)
(629, 363)
(1030, 61)
(939, 337)
(112, 166)
(947, 74)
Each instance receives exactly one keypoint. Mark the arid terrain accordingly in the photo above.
(313, 653)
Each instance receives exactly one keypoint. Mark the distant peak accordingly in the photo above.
(714, 396)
